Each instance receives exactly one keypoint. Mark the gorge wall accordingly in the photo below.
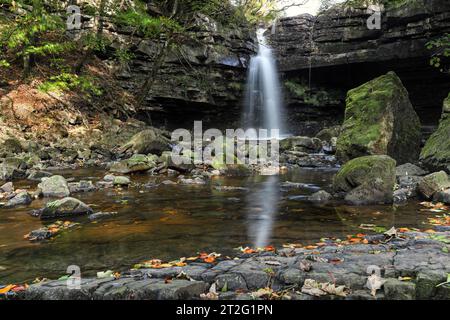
(322, 57)
(201, 78)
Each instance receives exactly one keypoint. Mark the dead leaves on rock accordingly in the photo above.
(317, 289)
(49, 231)
(182, 262)
(434, 207)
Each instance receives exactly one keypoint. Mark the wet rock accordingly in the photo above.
(432, 183)
(40, 234)
(121, 181)
(137, 163)
(20, 199)
(195, 181)
(81, 186)
(168, 182)
(101, 215)
(442, 196)
(37, 175)
(147, 141)
(320, 197)
(380, 120)
(436, 152)
(399, 290)
(10, 146)
(109, 178)
(301, 144)
(329, 133)
(64, 207)
(409, 169)
(409, 182)
(55, 186)
(367, 180)
(7, 187)
(402, 195)
(12, 168)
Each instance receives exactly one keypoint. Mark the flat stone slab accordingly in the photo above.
(411, 267)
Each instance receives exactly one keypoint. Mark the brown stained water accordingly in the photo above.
(172, 221)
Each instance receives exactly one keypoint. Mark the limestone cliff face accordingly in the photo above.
(201, 78)
(337, 50)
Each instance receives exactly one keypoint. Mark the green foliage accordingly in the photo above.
(4, 64)
(441, 48)
(70, 81)
(317, 97)
(123, 55)
(147, 25)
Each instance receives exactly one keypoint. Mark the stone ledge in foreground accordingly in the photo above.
(417, 256)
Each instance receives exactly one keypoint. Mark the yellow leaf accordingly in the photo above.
(6, 289)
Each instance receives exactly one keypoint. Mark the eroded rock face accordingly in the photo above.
(336, 50)
(367, 180)
(379, 119)
(436, 152)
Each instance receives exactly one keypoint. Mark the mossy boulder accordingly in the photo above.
(63, 208)
(367, 180)
(137, 163)
(435, 154)
(12, 168)
(433, 183)
(303, 144)
(379, 119)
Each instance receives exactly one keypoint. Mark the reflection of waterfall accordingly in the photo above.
(262, 206)
(263, 97)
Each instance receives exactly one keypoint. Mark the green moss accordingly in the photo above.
(365, 170)
(377, 120)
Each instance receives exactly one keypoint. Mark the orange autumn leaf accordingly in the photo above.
(249, 251)
(7, 289)
(269, 248)
(209, 259)
(403, 230)
(310, 247)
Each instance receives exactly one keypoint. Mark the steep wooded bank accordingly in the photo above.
(336, 50)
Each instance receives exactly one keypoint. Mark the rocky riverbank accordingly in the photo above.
(395, 265)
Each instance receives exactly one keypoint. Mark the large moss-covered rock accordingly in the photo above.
(379, 119)
(436, 152)
(367, 180)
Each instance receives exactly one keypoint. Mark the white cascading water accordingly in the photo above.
(263, 108)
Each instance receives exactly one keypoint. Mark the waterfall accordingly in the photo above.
(263, 108)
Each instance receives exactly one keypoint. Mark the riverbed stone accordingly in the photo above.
(433, 183)
(64, 207)
(12, 168)
(320, 197)
(137, 163)
(121, 181)
(367, 180)
(147, 141)
(442, 196)
(54, 186)
(380, 120)
(301, 144)
(436, 153)
(81, 186)
(7, 187)
(409, 169)
(21, 198)
(37, 175)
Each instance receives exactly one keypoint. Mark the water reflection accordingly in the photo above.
(262, 205)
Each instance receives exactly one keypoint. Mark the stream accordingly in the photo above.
(173, 221)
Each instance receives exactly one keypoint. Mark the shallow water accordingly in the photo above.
(173, 221)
